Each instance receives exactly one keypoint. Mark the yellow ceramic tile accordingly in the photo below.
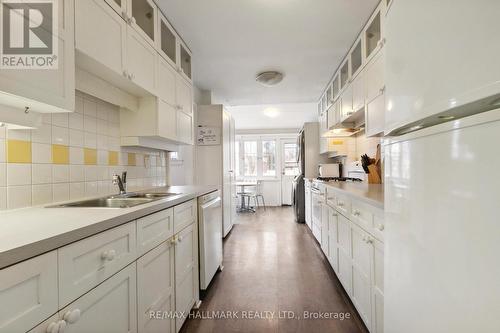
(60, 154)
(131, 159)
(112, 158)
(18, 151)
(90, 156)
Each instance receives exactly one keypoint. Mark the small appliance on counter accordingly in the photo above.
(330, 170)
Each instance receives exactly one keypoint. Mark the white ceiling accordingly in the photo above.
(233, 40)
(275, 116)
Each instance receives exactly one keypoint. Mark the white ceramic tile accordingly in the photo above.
(103, 173)
(60, 119)
(24, 135)
(114, 130)
(41, 174)
(75, 155)
(60, 135)
(42, 134)
(114, 115)
(102, 142)
(76, 121)
(113, 143)
(90, 140)
(76, 173)
(47, 118)
(102, 157)
(18, 174)
(90, 124)
(18, 196)
(102, 187)
(79, 104)
(102, 127)
(3, 198)
(89, 108)
(76, 190)
(60, 192)
(41, 153)
(60, 173)
(2, 150)
(91, 189)
(123, 158)
(3, 174)
(41, 194)
(102, 111)
(76, 138)
(90, 173)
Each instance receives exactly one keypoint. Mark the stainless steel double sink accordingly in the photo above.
(117, 201)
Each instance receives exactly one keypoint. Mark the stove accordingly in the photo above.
(339, 179)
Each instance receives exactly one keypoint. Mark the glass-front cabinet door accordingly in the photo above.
(373, 35)
(143, 16)
(356, 57)
(185, 61)
(119, 6)
(167, 41)
(344, 74)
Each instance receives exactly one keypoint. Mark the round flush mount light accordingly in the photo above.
(271, 112)
(269, 78)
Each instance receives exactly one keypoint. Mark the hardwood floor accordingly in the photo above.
(273, 264)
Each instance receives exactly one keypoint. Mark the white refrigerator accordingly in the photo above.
(442, 187)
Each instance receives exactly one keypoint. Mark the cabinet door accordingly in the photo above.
(141, 61)
(332, 116)
(184, 95)
(344, 252)
(110, 307)
(119, 6)
(378, 287)
(184, 127)
(347, 102)
(375, 116)
(374, 77)
(361, 273)
(167, 40)
(185, 61)
(109, 48)
(50, 325)
(324, 231)
(186, 271)
(358, 92)
(333, 238)
(28, 293)
(167, 77)
(143, 18)
(154, 229)
(167, 121)
(155, 289)
(46, 90)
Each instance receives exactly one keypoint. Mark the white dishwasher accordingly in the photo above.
(210, 236)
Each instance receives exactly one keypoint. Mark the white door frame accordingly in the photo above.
(284, 178)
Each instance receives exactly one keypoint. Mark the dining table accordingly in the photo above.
(242, 186)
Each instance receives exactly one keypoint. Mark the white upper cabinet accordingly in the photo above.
(141, 61)
(167, 78)
(356, 57)
(450, 60)
(46, 90)
(184, 94)
(167, 40)
(373, 34)
(143, 16)
(185, 61)
(108, 49)
(119, 6)
(358, 92)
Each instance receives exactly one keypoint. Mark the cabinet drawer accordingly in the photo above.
(362, 215)
(331, 198)
(154, 229)
(86, 263)
(378, 225)
(343, 204)
(184, 215)
(109, 308)
(28, 293)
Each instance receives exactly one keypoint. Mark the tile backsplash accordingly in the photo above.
(72, 156)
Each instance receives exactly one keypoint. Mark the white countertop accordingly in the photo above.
(372, 194)
(28, 232)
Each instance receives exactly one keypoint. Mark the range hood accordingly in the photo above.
(352, 124)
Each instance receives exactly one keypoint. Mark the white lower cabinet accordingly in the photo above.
(28, 293)
(355, 251)
(325, 231)
(156, 285)
(186, 272)
(110, 307)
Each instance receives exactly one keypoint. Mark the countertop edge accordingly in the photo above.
(16, 255)
(367, 200)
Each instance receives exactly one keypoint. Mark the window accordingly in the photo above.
(290, 164)
(256, 158)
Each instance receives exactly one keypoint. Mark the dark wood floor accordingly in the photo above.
(273, 264)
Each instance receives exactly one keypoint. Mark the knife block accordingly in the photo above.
(374, 175)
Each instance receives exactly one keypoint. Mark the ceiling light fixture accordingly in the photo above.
(271, 112)
(269, 78)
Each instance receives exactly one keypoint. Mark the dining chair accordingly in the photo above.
(255, 195)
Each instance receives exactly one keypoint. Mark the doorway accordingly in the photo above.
(289, 169)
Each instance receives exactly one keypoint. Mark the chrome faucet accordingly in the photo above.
(121, 182)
